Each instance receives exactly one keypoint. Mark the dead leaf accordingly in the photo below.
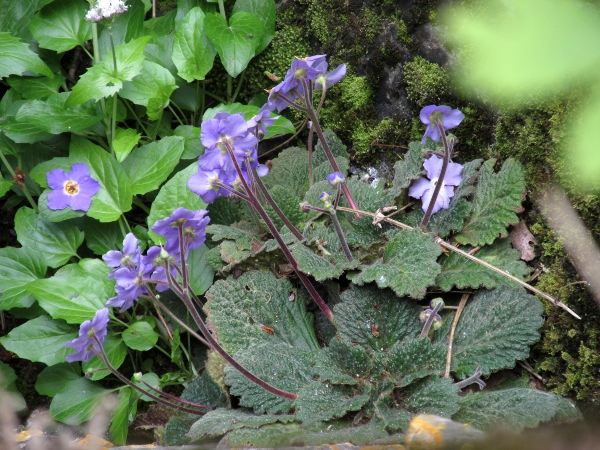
(523, 240)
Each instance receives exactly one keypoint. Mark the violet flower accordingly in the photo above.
(336, 178)
(130, 285)
(261, 121)
(129, 257)
(450, 118)
(205, 183)
(74, 189)
(85, 346)
(328, 79)
(193, 224)
(423, 187)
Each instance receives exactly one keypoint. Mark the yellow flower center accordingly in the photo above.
(71, 187)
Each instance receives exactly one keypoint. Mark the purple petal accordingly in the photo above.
(78, 172)
(58, 200)
(262, 170)
(419, 187)
(433, 166)
(57, 178)
(453, 176)
(426, 112)
(80, 202)
(452, 119)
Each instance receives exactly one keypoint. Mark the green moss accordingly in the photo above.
(379, 139)
(426, 82)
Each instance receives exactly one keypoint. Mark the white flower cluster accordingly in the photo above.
(105, 9)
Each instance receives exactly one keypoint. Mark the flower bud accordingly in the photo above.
(437, 322)
(425, 315)
(137, 377)
(336, 178)
(433, 303)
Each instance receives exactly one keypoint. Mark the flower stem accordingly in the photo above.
(340, 233)
(23, 188)
(440, 182)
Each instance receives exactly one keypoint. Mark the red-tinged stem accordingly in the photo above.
(440, 182)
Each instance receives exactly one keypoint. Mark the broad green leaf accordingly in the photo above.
(317, 266)
(9, 390)
(16, 58)
(177, 428)
(56, 242)
(462, 272)
(335, 144)
(18, 268)
(39, 172)
(172, 195)
(75, 292)
(192, 146)
(193, 52)
(495, 330)
(41, 340)
(16, 17)
(265, 11)
(114, 197)
(514, 50)
(53, 379)
(101, 238)
(413, 359)
(124, 142)
(376, 319)
(140, 336)
(58, 215)
(149, 165)
(5, 186)
(104, 80)
(511, 409)
(408, 265)
(53, 117)
(115, 350)
(239, 309)
(201, 274)
(119, 425)
(220, 421)
(36, 87)
(78, 402)
(321, 402)
(122, 28)
(61, 26)
(151, 88)
(497, 198)
(151, 379)
(236, 41)
(282, 366)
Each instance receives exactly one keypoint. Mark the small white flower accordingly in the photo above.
(105, 9)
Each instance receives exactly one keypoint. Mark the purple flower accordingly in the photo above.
(449, 118)
(74, 189)
(85, 345)
(336, 178)
(258, 124)
(192, 224)
(205, 183)
(327, 79)
(130, 285)
(423, 187)
(157, 257)
(129, 257)
(225, 129)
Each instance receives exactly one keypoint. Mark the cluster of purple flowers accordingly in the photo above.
(184, 230)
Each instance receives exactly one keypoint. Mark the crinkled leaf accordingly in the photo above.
(282, 366)
(221, 420)
(177, 428)
(149, 165)
(265, 11)
(41, 340)
(236, 41)
(52, 379)
(453, 218)
(18, 268)
(496, 199)
(408, 265)
(462, 272)
(140, 336)
(151, 88)
(342, 363)
(408, 168)
(75, 292)
(335, 144)
(431, 395)
(204, 391)
(172, 195)
(193, 52)
(288, 203)
(56, 242)
(376, 319)
(102, 80)
(52, 116)
(512, 409)
(495, 330)
(114, 197)
(115, 350)
(78, 402)
(16, 58)
(36, 87)
(61, 26)
(414, 359)
(317, 266)
(239, 309)
(321, 402)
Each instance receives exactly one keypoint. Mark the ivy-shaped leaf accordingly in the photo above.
(61, 26)
(512, 409)
(18, 268)
(376, 319)
(79, 402)
(193, 52)
(265, 11)
(256, 308)
(496, 199)
(322, 402)
(282, 366)
(462, 272)
(413, 359)
(220, 421)
(16, 58)
(495, 330)
(408, 265)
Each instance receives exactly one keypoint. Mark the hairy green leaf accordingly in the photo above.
(342, 363)
(413, 359)
(431, 395)
(204, 391)
(321, 402)
(408, 168)
(408, 265)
